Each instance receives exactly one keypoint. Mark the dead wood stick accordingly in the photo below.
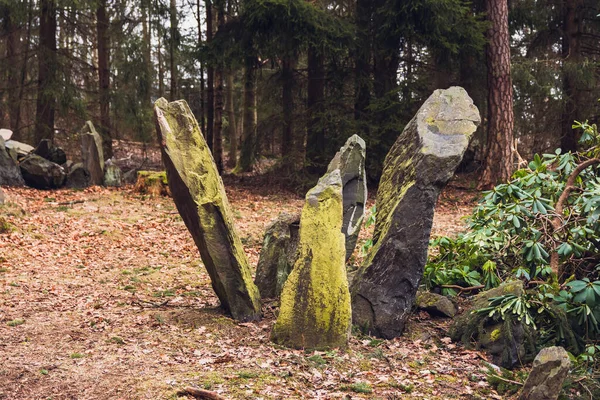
(463, 289)
(507, 380)
(201, 393)
(70, 203)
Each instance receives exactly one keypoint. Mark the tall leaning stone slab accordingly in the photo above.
(350, 161)
(418, 166)
(199, 195)
(91, 153)
(315, 305)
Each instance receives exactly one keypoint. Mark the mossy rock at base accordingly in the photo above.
(153, 183)
(315, 311)
(435, 304)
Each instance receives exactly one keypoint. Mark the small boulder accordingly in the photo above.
(113, 177)
(78, 177)
(435, 304)
(278, 255)
(41, 173)
(50, 152)
(10, 175)
(550, 368)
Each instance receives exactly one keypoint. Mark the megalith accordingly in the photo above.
(91, 153)
(315, 305)
(417, 167)
(10, 175)
(41, 173)
(545, 381)
(350, 161)
(200, 198)
(278, 254)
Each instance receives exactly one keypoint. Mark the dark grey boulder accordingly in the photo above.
(10, 174)
(417, 167)
(435, 304)
(78, 177)
(350, 160)
(46, 149)
(278, 254)
(200, 198)
(545, 381)
(41, 173)
(91, 153)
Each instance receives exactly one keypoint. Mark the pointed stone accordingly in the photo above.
(315, 302)
(418, 166)
(545, 381)
(91, 153)
(199, 195)
(350, 160)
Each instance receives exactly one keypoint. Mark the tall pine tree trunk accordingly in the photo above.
(287, 139)
(102, 24)
(232, 128)
(147, 39)
(173, 44)
(202, 83)
(315, 141)
(210, 83)
(218, 124)
(499, 156)
(47, 59)
(13, 31)
(247, 155)
(362, 59)
(23, 76)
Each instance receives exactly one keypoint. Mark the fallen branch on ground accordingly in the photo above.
(200, 393)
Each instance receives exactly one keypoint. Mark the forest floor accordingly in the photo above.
(103, 296)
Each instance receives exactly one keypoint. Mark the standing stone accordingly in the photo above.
(10, 175)
(41, 173)
(550, 368)
(199, 195)
(78, 177)
(113, 177)
(91, 152)
(315, 306)
(415, 170)
(278, 255)
(350, 160)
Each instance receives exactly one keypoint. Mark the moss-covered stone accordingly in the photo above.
(315, 308)
(92, 154)
(435, 304)
(199, 195)
(418, 166)
(154, 183)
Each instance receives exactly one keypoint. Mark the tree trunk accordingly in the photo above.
(287, 138)
(499, 157)
(232, 130)
(247, 155)
(13, 31)
(147, 39)
(571, 53)
(218, 123)
(362, 93)
(210, 84)
(173, 44)
(46, 102)
(202, 84)
(17, 134)
(315, 142)
(102, 25)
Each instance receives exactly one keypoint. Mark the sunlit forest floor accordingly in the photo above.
(103, 296)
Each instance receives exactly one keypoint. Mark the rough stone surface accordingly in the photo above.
(278, 255)
(41, 173)
(91, 153)
(506, 341)
(20, 149)
(10, 175)
(550, 368)
(113, 177)
(78, 177)
(6, 134)
(418, 166)
(435, 304)
(199, 195)
(350, 160)
(50, 152)
(315, 310)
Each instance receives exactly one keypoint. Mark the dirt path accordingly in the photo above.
(102, 296)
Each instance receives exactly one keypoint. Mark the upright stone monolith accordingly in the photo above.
(199, 195)
(350, 160)
(415, 170)
(91, 153)
(315, 308)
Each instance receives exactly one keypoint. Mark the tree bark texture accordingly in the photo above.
(210, 83)
(498, 163)
(362, 58)
(287, 139)
(249, 116)
(232, 129)
(315, 141)
(46, 101)
(173, 44)
(218, 123)
(102, 25)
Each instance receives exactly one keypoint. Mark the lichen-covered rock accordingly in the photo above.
(10, 175)
(417, 167)
(91, 153)
(78, 177)
(509, 342)
(199, 195)
(46, 149)
(350, 161)
(41, 173)
(435, 304)
(550, 368)
(278, 254)
(154, 183)
(315, 311)
(113, 177)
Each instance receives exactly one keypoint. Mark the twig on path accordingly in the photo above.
(146, 303)
(200, 393)
(507, 380)
(463, 289)
(70, 203)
